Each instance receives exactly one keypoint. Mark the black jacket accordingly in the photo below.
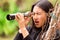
(33, 32)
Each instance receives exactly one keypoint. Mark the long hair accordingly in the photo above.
(42, 5)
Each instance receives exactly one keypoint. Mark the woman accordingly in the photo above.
(40, 21)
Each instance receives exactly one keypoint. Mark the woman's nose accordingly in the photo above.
(35, 16)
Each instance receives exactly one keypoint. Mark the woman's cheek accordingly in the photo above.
(41, 20)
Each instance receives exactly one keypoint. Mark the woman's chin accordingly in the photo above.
(38, 26)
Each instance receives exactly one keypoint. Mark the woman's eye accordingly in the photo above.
(38, 13)
(33, 13)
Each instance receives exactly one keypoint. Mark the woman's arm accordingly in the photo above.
(22, 21)
(22, 25)
(24, 32)
(19, 35)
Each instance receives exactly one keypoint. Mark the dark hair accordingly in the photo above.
(45, 5)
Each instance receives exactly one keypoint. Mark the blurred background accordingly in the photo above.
(8, 29)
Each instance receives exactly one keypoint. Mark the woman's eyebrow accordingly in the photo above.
(37, 12)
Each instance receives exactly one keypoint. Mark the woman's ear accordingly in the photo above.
(50, 12)
(48, 17)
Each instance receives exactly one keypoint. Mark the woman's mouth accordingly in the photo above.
(36, 22)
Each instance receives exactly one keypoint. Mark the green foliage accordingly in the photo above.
(9, 27)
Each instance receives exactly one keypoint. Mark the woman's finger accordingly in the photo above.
(16, 18)
(27, 19)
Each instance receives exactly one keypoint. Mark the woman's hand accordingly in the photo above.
(27, 19)
(22, 21)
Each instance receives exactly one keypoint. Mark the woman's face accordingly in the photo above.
(39, 16)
